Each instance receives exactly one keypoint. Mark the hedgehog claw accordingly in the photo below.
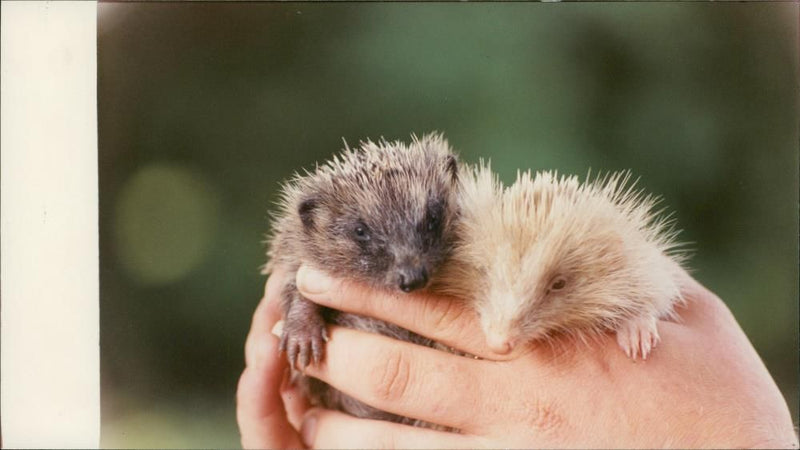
(291, 352)
(638, 336)
(317, 348)
(303, 341)
(304, 358)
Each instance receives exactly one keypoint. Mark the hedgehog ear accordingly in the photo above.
(451, 165)
(306, 211)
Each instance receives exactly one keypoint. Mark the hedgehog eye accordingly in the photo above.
(558, 284)
(433, 215)
(361, 232)
(433, 222)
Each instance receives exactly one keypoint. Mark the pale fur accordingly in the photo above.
(619, 259)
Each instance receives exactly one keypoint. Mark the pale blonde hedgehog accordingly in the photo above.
(552, 256)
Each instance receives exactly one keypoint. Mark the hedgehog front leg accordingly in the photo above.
(638, 336)
(304, 332)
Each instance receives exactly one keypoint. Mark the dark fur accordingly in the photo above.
(381, 215)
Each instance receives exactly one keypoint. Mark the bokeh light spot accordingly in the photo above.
(165, 220)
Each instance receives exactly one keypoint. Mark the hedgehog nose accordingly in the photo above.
(413, 278)
(499, 340)
(500, 344)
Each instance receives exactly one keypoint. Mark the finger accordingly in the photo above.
(443, 319)
(269, 307)
(701, 306)
(332, 429)
(295, 402)
(707, 316)
(259, 409)
(267, 313)
(405, 379)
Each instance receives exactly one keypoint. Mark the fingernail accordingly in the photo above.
(309, 430)
(312, 281)
(277, 329)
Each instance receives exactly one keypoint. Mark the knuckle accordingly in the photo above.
(337, 298)
(274, 284)
(257, 349)
(249, 350)
(385, 441)
(543, 416)
(343, 296)
(393, 376)
(339, 432)
(375, 437)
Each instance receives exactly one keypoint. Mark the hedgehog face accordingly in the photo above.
(549, 255)
(388, 226)
(556, 259)
(559, 283)
(399, 248)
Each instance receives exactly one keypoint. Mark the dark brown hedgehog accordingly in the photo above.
(381, 214)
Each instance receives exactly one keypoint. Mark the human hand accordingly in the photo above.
(268, 408)
(704, 386)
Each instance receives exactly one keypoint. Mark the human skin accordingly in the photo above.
(703, 386)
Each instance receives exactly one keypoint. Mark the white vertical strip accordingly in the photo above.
(49, 312)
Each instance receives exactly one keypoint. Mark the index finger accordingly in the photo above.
(406, 379)
(447, 320)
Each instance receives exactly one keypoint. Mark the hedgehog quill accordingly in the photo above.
(551, 256)
(380, 214)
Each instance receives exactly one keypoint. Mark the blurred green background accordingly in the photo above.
(205, 107)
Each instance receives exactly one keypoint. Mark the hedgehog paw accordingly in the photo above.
(638, 337)
(303, 341)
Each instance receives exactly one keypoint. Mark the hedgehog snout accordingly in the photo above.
(500, 344)
(500, 323)
(412, 277)
(499, 340)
